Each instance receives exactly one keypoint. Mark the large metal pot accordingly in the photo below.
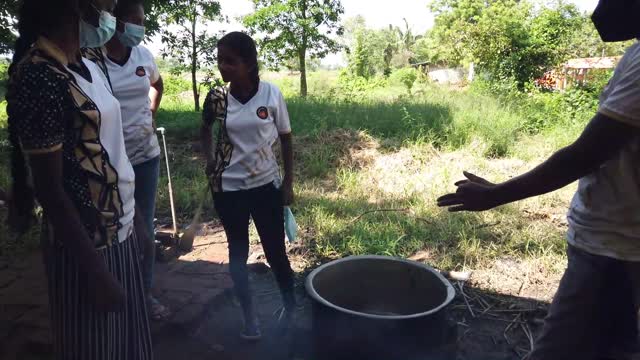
(376, 307)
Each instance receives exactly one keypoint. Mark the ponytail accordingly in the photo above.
(255, 75)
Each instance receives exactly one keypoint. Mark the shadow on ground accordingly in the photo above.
(500, 331)
(500, 328)
(206, 320)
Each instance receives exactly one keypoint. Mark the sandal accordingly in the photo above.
(251, 332)
(286, 320)
(158, 311)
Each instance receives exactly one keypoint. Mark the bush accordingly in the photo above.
(595, 81)
(175, 85)
(321, 83)
(4, 70)
(4, 77)
(540, 109)
(289, 86)
(353, 88)
(405, 77)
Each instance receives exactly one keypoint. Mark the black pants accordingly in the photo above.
(594, 314)
(264, 205)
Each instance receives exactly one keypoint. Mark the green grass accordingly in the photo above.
(387, 151)
(369, 170)
(403, 185)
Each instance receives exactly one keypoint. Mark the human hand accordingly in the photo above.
(473, 194)
(211, 167)
(107, 293)
(288, 196)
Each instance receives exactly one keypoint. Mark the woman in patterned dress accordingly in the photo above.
(65, 122)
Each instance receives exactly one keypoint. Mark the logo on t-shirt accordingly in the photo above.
(140, 71)
(263, 112)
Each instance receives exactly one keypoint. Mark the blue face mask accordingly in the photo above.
(132, 36)
(91, 36)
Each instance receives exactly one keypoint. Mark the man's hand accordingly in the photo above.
(473, 194)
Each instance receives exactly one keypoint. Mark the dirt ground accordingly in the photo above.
(502, 333)
(497, 312)
(490, 325)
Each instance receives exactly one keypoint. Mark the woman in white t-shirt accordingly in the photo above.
(67, 149)
(249, 116)
(137, 84)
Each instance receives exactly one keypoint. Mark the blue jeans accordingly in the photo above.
(147, 175)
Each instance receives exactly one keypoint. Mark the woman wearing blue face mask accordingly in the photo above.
(68, 152)
(137, 84)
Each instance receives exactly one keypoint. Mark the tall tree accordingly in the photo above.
(8, 10)
(8, 21)
(586, 42)
(296, 29)
(407, 37)
(391, 47)
(365, 57)
(507, 39)
(186, 38)
(350, 27)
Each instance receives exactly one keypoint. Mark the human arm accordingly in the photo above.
(39, 125)
(143, 238)
(206, 136)
(157, 84)
(106, 293)
(610, 130)
(601, 140)
(286, 141)
(155, 97)
(283, 125)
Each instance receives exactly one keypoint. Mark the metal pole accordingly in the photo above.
(166, 158)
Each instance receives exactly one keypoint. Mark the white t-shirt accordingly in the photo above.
(253, 128)
(112, 140)
(604, 217)
(131, 83)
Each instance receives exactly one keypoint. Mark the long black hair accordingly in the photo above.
(123, 7)
(243, 45)
(35, 18)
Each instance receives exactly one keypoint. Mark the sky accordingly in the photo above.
(377, 13)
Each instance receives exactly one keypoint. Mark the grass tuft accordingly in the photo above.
(370, 168)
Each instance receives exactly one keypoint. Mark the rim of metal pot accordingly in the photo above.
(314, 294)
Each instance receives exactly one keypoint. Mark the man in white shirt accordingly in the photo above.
(594, 313)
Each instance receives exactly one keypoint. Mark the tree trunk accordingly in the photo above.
(303, 72)
(194, 82)
(302, 55)
(194, 64)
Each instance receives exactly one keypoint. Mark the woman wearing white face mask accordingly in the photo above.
(68, 152)
(137, 84)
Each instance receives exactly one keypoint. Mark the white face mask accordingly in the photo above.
(132, 36)
(91, 36)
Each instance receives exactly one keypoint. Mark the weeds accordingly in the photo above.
(384, 150)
